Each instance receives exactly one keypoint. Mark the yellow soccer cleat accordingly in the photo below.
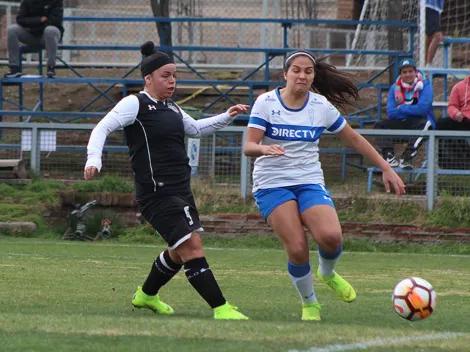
(228, 312)
(142, 300)
(341, 287)
(311, 311)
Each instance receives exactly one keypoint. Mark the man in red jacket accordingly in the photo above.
(39, 25)
(458, 108)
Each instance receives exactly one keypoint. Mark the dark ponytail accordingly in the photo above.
(337, 86)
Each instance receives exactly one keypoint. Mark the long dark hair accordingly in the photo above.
(337, 86)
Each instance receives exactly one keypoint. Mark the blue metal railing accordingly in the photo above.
(269, 54)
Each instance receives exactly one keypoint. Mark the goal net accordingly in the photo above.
(455, 23)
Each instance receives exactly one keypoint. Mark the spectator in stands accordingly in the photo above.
(38, 25)
(288, 185)
(409, 107)
(458, 108)
(433, 32)
(155, 129)
(454, 153)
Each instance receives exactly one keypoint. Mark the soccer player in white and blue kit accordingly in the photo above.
(288, 185)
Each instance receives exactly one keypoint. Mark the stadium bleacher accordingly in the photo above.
(362, 116)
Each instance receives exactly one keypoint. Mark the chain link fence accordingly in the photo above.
(58, 151)
(440, 168)
(235, 34)
(227, 34)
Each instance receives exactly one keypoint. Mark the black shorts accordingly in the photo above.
(433, 21)
(174, 217)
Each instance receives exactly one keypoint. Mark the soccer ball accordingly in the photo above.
(414, 299)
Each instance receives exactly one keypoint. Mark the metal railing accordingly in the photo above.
(83, 27)
(442, 166)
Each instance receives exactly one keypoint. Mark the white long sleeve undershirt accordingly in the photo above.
(125, 113)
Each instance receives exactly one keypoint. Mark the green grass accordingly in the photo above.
(108, 183)
(39, 192)
(21, 212)
(145, 234)
(68, 296)
(451, 212)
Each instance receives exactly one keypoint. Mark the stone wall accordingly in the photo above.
(124, 208)
(233, 224)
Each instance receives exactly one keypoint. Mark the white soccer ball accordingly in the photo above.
(414, 299)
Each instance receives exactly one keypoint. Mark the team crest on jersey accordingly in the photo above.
(173, 107)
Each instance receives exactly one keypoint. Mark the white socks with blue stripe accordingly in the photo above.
(301, 276)
(327, 261)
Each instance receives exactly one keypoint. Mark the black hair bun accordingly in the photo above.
(148, 48)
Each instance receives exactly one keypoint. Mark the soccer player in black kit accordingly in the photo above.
(155, 128)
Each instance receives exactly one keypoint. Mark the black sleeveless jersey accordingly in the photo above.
(157, 149)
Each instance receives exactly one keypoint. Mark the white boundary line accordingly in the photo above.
(383, 342)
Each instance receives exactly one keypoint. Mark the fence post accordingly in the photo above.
(422, 33)
(431, 184)
(35, 151)
(244, 170)
(8, 15)
(213, 145)
(68, 33)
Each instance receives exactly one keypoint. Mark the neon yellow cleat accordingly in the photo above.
(341, 287)
(141, 300)
(311, 311)
(228, 312)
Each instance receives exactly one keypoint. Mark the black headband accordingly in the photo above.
(153, 59)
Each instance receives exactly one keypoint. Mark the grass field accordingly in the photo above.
(69, 296)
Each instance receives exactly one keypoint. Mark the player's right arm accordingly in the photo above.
(122, 115)
(252, 146)
(256, 128)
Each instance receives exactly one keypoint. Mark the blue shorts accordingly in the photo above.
(306, 196)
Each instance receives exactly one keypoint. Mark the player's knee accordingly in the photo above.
(191, 248)
(175, 257)
(439, 36)
(331, 241)
(298, 252)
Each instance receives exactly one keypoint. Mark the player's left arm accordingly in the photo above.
(205, 127)
(337, 124)
(354, 140)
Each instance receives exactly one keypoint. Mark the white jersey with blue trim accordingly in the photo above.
(298, 131)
